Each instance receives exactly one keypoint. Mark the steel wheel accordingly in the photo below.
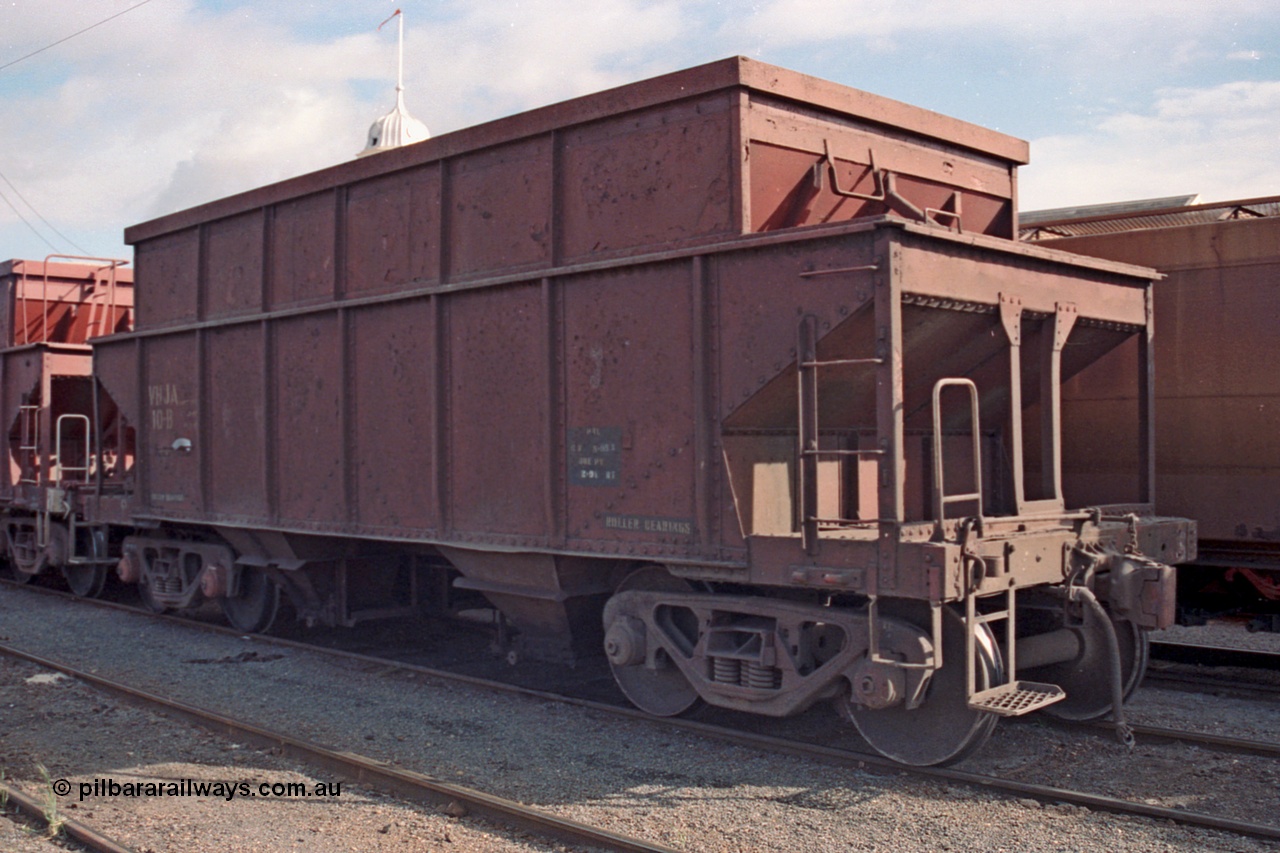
(663, 692)
(944, 729)
(1086, 679)
(254, 609)
(89, 581)
(86, 581)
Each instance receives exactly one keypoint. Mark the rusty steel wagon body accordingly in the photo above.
(736, 374)
(1218, 398)
(49, 311)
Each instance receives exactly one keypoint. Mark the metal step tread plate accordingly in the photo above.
(1016, 698)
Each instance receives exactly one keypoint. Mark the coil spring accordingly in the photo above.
(169, 585)
(763, 677)
(726, 670)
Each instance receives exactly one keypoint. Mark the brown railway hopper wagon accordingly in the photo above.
(50, 310)
(729, 369)
(1218, 398)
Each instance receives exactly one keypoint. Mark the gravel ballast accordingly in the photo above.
(632, 777)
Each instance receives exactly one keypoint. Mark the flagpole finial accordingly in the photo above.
(388, 20)
(397, 127)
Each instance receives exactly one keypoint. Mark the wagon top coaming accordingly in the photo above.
(833, 100)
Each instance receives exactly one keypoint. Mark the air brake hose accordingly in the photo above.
(1123, 733)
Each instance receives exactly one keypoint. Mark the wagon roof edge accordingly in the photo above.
(734, 72)
(1037, 251)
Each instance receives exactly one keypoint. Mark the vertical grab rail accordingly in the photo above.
(60, 467)
(940, 496)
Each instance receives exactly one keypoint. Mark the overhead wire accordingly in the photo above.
(4, 197)
(27, 222)
(50, 225)
(73, 35)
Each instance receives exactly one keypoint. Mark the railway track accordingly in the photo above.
(379, 661)
(1207, 668)
(406, 784)
(1203, 740)
(1215, 656)
(810, 751)
(1211, 682)
(86, 836)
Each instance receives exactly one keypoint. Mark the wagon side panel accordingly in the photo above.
(498, 448)
(308, 420)
(1220, 399)
(20, 371)
(1217, 370)
(499, 209)
(653, 179)
(167, 269)
(233, 266)
(393, 396)
(169, 445)
(302, 251)
(631, 407)
(237, 421)
(393, 231)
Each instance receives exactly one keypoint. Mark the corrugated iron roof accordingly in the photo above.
(1091, 211)
(1036, 225)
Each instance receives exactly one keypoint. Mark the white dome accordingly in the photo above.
(394, 129)
(397, 127)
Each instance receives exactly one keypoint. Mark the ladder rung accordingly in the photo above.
(972, 496)
(862, 521)
(812, 452)
(836, 361)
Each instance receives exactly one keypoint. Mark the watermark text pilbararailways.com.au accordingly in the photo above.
(227, 790)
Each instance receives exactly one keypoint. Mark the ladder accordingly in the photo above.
(1013, 698)
(29, 444)
(809, 451)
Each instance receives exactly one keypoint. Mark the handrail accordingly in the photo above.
(940, 496)
(111, 264)
(63, 469)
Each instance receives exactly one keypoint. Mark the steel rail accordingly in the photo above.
(1030, 790)
(406, 784)
(799, 749)
(1160, 734)
(1201, 683)
(1219, 743)
(1219, 656)
(72, 829)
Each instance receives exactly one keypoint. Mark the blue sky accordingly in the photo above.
(177, 102)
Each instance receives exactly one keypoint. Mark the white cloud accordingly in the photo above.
(800, 21)
(1218, 141)
(494, 58)
(167, 107)
(174, 104)
(183, 101)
